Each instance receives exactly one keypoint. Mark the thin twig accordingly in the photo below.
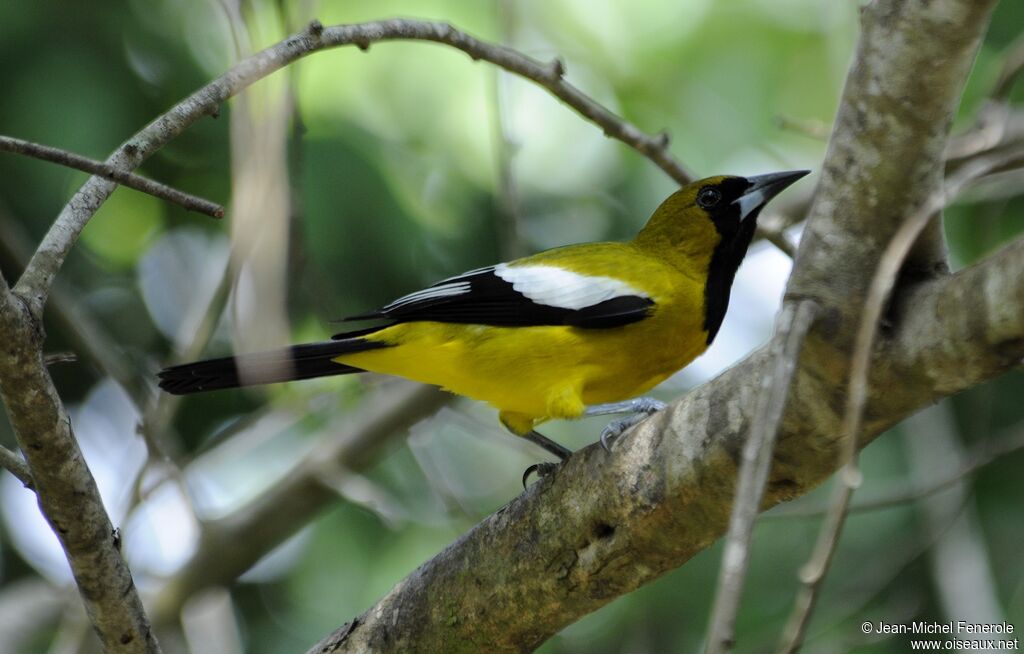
(777, 238)
(793, 323)
(55, 358)
(124, 178)
(16, 465)
(979, 457)
(995, 116)
(1013, 68)
(814, 129)
(849, 477)
(35, 283)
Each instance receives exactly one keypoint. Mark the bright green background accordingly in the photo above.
(394, 180)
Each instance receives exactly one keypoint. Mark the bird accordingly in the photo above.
(574, 331)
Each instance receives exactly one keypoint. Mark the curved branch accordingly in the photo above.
(35, 283)
(65, 487)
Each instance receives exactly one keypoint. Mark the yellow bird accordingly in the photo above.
(569, 332)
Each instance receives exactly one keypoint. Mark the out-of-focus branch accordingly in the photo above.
(231, 545)
(510, 240)
(980, 456)
(64, 484)
(131, 180)
(90, 339)
(15, 465)
(793, 323)
(35, 283)
(960, 567)
(778, 238)
(1013, 68)
(812, 129)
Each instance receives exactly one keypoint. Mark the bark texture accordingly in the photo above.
(66, 491)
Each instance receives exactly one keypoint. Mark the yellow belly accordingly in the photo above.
(536, 373)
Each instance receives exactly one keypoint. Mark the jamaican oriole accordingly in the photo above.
(568, 332)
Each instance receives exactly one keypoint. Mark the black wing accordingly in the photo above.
(518, 296)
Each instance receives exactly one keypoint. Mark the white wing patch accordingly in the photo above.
(558, 287)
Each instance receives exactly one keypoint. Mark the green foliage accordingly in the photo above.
(392, 162)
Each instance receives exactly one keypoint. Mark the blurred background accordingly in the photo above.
(353, 177)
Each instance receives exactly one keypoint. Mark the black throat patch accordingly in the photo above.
(725, 260)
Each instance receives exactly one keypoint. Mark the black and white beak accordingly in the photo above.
(763, 188)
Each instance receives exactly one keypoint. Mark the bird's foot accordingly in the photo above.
(542, 469)
(640, 408)
(546, 468)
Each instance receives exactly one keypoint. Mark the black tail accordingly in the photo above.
(287, 364)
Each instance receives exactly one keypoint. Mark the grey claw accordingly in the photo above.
(542, 469)
(608, 435)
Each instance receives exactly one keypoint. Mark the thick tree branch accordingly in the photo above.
(38, 277)
(886, 152)
(65, 488)
(131, 180)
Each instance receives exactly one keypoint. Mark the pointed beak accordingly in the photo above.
(763, 188)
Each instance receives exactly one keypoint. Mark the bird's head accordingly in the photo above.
(705, 228)
(712, 213)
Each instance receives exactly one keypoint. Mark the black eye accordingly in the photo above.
(709, 197)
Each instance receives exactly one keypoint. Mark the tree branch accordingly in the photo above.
(38, 277)
(882, 285)
(65, 488)
(231, 545)
(131, 180)
(15, 465)
(978, 457)
(886, 152)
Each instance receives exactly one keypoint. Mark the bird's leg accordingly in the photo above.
(640, 408)
(536, 438)
(546, 468)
